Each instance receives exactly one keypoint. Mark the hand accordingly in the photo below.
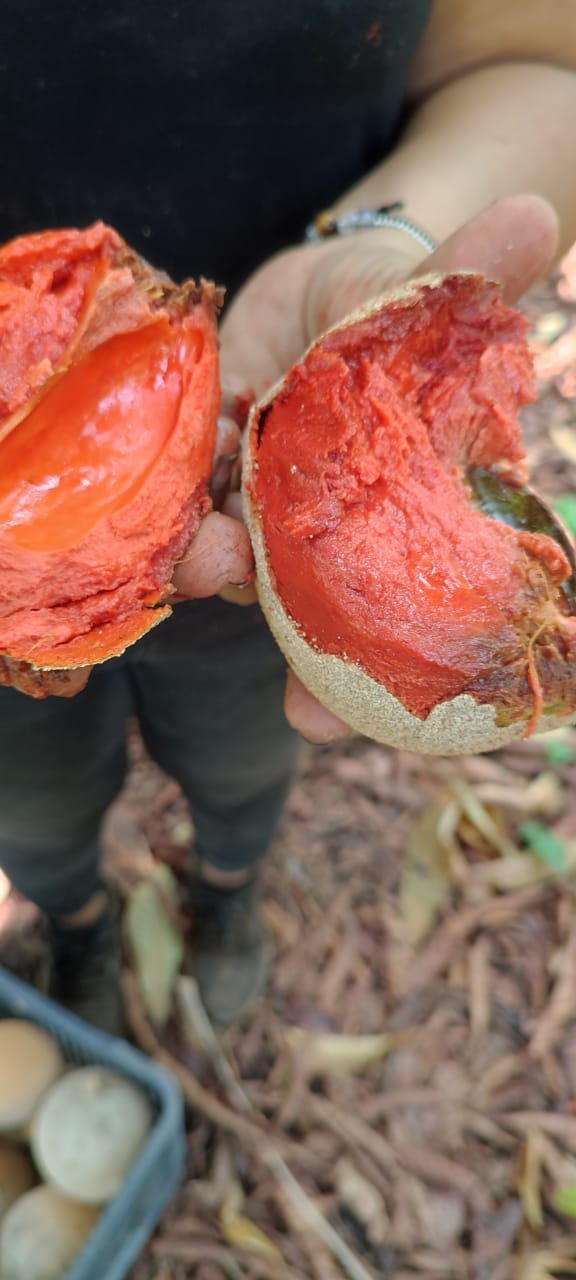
(300, 293)
(219, 558)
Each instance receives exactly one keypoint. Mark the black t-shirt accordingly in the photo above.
(208, 132)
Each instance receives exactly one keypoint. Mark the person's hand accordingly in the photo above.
(219, 558)
(298, 294)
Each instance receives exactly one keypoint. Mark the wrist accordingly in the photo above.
(330, 224)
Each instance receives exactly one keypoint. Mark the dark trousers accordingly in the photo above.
(207, 689)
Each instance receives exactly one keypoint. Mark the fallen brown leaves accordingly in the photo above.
(422, 1093)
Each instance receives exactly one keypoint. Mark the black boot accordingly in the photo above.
(231, 955)
(85, 975)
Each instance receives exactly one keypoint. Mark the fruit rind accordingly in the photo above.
(454, 727)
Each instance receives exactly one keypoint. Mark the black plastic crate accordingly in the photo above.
(129, 1219)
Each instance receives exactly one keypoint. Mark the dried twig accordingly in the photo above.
(247, 1130)
(353, 1130)
(438, 1168)
(550, 1122)
(435, 958)
(197, 1250)
(480, 986)
(196, 1020)
(562, 1005)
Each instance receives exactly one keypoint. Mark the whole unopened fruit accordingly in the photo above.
(17, 1174)
(415, 583)
(88, 1132)
(30, 1062)
(42, 1234)
(109, 396)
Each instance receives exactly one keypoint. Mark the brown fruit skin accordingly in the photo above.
(458, 726)
(17, 1174)
(42, 684)
(30, 1063)
(42, 1235)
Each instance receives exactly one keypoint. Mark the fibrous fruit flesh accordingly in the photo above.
(109, 396)
(422, 613)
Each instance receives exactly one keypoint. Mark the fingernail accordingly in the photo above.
(248, 582)
(226, 459)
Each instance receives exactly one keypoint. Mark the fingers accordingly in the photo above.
(237, 400)
(313, 721)
(43, 684)
(226, 455)
(240, 595)
(353, 269)
(245, 593)
(218, 556)
(513, 241)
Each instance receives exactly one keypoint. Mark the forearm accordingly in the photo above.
(498, 131)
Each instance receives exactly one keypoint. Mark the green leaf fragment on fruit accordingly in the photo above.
(565, 505)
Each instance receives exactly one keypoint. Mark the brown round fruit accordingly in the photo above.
(414, 582)
(30, 1062)
(42, 1234)
(16, 1175)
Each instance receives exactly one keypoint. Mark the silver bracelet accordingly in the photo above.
(327, 225)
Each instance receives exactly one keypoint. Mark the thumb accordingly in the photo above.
(512, 240)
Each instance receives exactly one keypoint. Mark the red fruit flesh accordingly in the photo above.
(376, 548)
(109, 398)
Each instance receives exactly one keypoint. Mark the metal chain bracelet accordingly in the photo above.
(328, 225)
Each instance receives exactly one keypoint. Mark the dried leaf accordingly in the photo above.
(506, 874)
(544, 795)
(549, 326)
(565, 439)
(545, 1264)
(480, 985)
(560, 1008)
(333, 1055)
(479, 816)
(241, 1233)
(545, 845)
(559, 744)
(529, 1181)
(567, 282)
(236, 1228)
(363, 1200)
(155, 942)
(565, 1200)
(443, 1216)
(227, 1187)
(426, 885)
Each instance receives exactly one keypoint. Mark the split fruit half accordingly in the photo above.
(109, 396)
(416, 584)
